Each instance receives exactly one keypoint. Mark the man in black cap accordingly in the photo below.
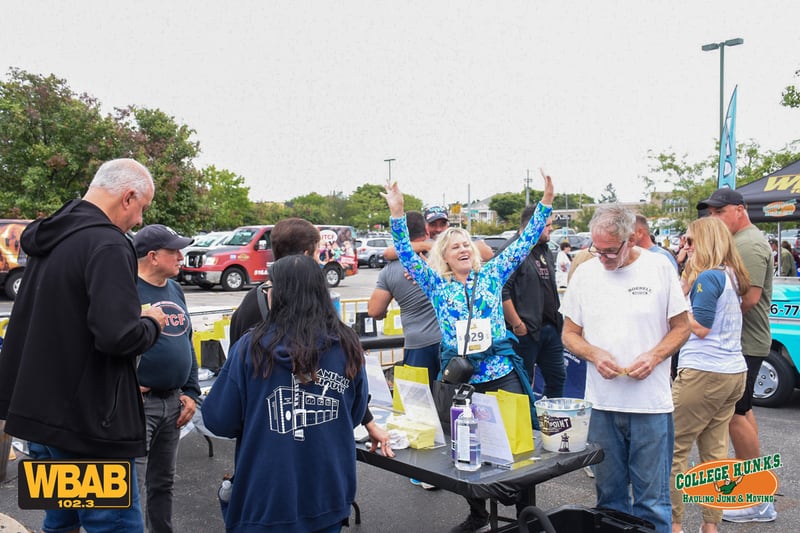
(167, 372)
(729, 206)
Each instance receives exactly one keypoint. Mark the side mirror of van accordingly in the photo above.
(261, 245)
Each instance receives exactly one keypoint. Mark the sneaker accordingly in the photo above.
(428, 486)
(472, 524)
(763, 512)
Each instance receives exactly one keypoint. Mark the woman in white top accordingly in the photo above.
(711, 367)
(563, 264)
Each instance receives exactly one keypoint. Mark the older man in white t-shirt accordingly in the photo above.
(625, 313)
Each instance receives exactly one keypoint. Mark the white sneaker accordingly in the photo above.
(763, 512)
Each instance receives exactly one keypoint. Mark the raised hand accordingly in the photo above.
(394, 199)
(549, 195)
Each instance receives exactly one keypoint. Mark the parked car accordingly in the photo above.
(211, 239)
(201, 244)
(370, 251)
(245, 256)
(12, 258)
(495, 241)
(576, 242)
(779, 375)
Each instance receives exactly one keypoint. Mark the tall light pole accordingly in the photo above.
(390, 169)
(721, 46)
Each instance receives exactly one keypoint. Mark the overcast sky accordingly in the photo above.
(301, 96)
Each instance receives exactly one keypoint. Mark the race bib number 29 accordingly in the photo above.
(480, 336)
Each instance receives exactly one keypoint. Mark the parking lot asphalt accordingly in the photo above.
(389, 503)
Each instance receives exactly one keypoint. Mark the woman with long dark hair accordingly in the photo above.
(291, 392)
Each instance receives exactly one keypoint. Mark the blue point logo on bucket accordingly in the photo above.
(564, 423)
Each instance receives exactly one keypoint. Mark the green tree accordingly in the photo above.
(506, 204)
(568, 200)
(791, 96)
(312, 207)
(367, 208)
(609, 195)
(581, 221)
(51, 143)
(165, 147)
(225, 199)
(267, 213)
(690, 182)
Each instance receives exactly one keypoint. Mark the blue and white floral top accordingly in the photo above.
(450, 297)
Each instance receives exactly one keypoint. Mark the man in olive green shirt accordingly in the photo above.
(728, 205)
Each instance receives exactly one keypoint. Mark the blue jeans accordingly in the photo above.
(161, 413)
(425, 357)
(548, 355)
(93, 520)
(634, 476)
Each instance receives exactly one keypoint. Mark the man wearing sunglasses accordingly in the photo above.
(625, 314)
(728, 205)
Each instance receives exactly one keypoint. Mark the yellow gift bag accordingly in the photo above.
(516, 412)
(407, 373)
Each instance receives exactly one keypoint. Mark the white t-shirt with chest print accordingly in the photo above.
(626, 312)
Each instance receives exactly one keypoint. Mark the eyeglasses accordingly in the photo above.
(608, 255)
(689, 241)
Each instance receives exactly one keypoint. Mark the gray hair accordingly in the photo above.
(614, 220)
(118, 175)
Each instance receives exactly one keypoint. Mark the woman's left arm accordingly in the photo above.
(509, 259)
(704, 301)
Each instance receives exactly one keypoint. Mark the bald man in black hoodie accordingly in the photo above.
(68, 360)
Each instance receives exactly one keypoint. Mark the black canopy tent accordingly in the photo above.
(775, 197)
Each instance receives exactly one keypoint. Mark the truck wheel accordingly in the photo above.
(233, 279)
(12, 284)
(333, 275)
(373, 261)
(775, 381)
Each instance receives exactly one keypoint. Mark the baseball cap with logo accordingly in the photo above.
(721, 197)
(435, 213)
(157, 236)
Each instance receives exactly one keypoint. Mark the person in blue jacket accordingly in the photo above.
(290, 393)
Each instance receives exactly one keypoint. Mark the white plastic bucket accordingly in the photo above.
(564, 423)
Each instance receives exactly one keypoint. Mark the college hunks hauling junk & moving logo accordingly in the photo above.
(102, 484)
(731, 483)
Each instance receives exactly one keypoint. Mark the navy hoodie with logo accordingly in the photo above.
(295, 450)
(67, 364)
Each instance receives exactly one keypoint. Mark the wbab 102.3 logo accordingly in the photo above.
(731, 483)
(74, 485)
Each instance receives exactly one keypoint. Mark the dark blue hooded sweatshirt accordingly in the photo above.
(295, 450)
(67, 365)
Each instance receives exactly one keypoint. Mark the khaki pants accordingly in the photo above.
(704, 404)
